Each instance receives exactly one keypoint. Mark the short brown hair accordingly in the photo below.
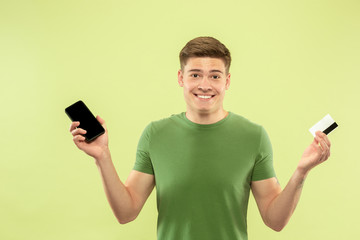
(205, 47)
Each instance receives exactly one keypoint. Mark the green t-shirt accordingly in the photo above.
(203, 174)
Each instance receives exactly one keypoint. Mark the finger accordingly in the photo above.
(327, 150)
(318, 132)
(322, 144)
(321, 134)
(78, 138)
(78, 131)
(324, 150)
(101, 121)
(326, 140)
(318, 141)
(74, 125)
(325, 137)
(321, 139)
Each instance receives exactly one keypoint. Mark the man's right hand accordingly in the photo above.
(126, 200)
(98, 148)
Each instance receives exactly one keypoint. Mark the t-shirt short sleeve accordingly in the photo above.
(263, 168)
(143, 160)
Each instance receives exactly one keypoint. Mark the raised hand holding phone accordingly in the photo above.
(80, 112)
(96, 148)
(89, 133)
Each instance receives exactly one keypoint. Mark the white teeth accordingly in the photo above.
(201, 96)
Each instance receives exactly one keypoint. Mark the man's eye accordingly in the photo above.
(215, 77)
(195, 75)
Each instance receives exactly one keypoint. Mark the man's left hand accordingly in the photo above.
(317, 152)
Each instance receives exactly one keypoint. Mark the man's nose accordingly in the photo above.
(204, 84)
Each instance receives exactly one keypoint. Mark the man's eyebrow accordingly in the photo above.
(215, 70)
(195, 70)
(199, 70)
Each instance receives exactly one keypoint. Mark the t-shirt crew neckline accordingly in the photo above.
(198, 125)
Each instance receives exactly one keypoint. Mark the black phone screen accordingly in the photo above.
(79, 112)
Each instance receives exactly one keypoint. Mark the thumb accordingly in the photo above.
(315, 142)
(101, 121)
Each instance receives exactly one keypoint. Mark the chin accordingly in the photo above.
(204, 110)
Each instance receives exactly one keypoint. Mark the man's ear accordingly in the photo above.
(227, 84)
(180, 78)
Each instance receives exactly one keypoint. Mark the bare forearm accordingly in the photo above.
(118, 196)
(278, 207)
(283, 206)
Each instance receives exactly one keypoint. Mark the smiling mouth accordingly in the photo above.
(204, 96)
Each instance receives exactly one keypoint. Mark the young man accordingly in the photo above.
(205, 161)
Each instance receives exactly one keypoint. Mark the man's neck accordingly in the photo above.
(206, 118)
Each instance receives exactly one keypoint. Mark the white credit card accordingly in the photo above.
(325, 125)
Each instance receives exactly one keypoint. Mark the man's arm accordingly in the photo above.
(276, 205)
(126, 200)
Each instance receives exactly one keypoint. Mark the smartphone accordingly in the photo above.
(80, 112)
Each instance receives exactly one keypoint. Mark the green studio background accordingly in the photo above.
(293, 62)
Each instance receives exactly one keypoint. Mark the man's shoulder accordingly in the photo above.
(245, 128)
(243, 122)
(166, 122)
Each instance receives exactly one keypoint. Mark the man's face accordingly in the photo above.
(204, 80)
